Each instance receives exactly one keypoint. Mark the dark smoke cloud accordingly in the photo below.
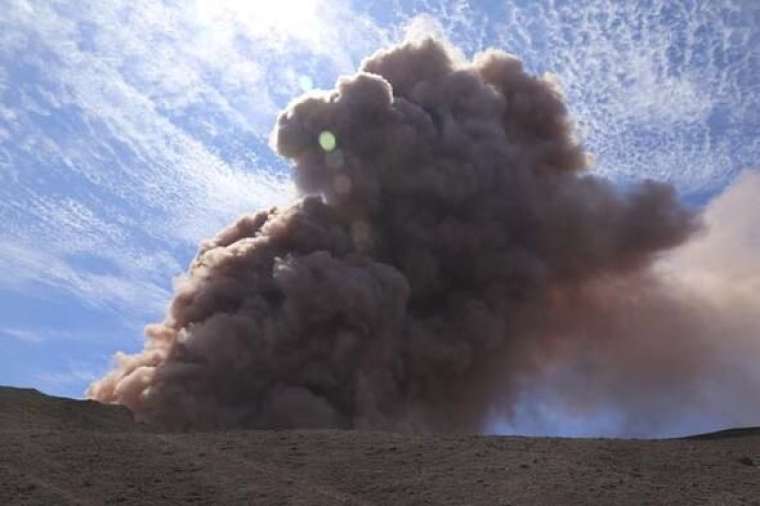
(450, 244)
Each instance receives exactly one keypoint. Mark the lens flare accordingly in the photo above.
(327, 140)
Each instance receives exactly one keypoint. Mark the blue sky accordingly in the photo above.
(130, 130)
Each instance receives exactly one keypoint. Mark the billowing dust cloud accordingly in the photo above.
(449, 244)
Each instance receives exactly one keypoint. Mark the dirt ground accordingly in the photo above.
(60, 451)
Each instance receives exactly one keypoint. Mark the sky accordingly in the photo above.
(132, 129)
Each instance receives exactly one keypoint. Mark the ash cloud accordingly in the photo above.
(669, 351)
(450, 244)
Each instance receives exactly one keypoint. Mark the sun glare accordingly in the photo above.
(268, 18)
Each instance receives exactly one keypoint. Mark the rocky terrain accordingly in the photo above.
(57, 451)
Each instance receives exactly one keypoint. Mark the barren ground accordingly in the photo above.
(59, 451)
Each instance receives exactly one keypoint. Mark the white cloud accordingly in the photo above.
(22, 335)
(122, 170)
(26, 268)
(646, 82)
(130, 130)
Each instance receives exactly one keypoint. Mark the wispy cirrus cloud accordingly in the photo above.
(130, 131)
(21, 335)
(660, 89)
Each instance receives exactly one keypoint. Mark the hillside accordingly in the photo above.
(59, 451)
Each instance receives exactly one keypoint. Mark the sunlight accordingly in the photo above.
(273, 19)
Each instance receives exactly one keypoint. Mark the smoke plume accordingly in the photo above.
(450, 244)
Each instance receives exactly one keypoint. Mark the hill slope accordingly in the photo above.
(61, 451)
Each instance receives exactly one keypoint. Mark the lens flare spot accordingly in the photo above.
(327, 140)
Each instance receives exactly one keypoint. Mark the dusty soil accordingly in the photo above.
(60, 451)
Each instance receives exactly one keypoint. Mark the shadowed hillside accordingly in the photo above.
(24, 409)
(62, 451)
